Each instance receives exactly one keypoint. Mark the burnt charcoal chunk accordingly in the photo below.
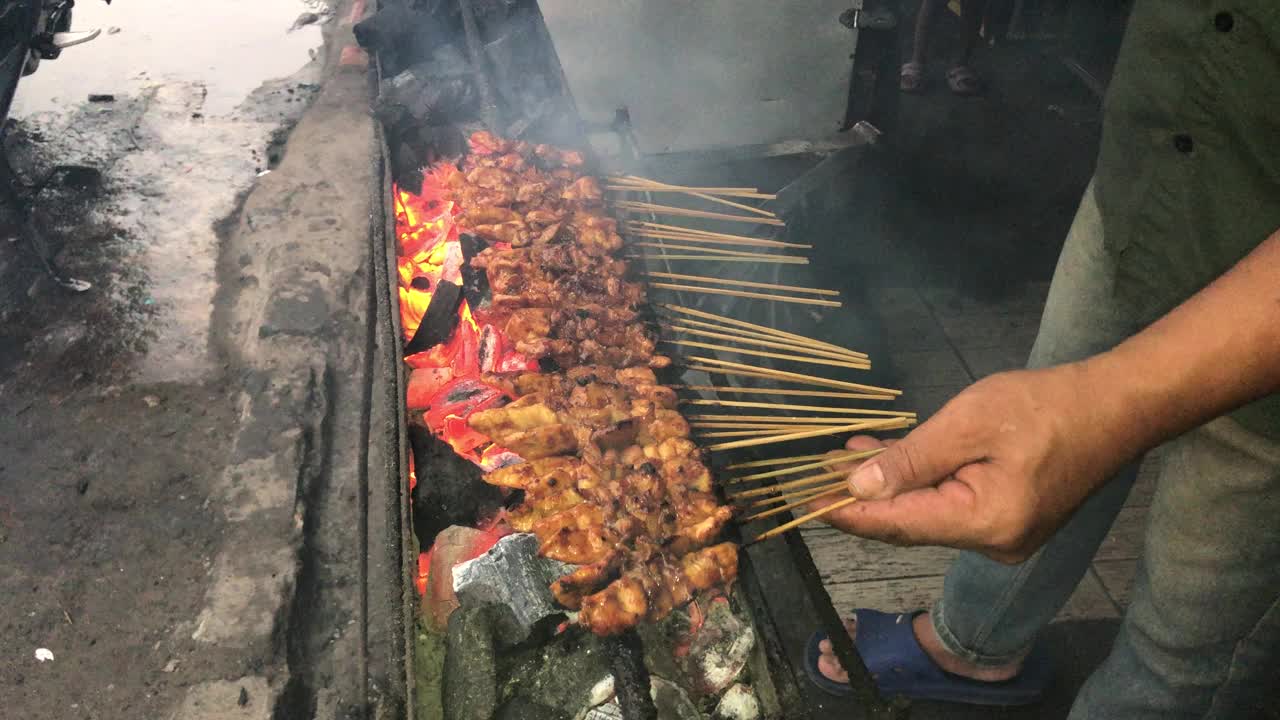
(440, 320)
(449, 489)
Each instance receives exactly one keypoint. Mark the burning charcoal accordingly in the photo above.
(449, 489)
(470, 670)
(738, 703)
(453, 546)
(720, 649)
(439, 321)
(512, 576)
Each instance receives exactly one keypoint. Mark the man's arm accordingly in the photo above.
(1002, 466)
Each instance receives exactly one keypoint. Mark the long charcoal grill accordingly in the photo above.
(779, 586)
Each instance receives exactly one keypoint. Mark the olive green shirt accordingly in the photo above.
(1188, 176)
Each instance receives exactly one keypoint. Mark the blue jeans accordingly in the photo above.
(1202, 632)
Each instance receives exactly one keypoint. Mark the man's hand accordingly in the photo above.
(996, 470)
(1003, 465)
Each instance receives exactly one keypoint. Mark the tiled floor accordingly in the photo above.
(941, 341)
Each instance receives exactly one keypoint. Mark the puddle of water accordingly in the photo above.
(230, 46)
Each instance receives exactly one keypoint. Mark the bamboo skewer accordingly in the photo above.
(743, 283)
(717, 251)
(804, 519)
(615, 185)
(774, 461)
(796, 503)
(638, 180)
(656, 209)
(780, 259)
(758, 328)
(632, 181)
(797, 377)
(645, 226)
(659, 187)
(752, 295)
(814, 408)
(827, 460)
(742, 426)
(808, 492)
(812, 359)
(790, 420)
(706, 239)
(790, 485)
(892, 424)
(761, 433)
(766, 343)
(783, 391)
(731, 333)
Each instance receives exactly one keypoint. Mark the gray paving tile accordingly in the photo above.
(926, 401)
(1029, 298)
(1117, 578)
(929, 367)
(843, 558)
(1089, 601)
(989, 361)
(908, 324)
(990, 330)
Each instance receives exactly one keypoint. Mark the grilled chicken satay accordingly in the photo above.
(652, 589)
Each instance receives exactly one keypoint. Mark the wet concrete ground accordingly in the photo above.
(158, 450)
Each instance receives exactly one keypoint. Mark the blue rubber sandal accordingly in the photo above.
(888, 646)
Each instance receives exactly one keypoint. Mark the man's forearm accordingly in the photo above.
(1217, 351)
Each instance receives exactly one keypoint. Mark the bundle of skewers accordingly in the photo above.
(727, 424)
(615, 478)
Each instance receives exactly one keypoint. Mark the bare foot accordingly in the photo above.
(830, 667)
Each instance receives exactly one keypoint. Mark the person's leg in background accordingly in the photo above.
(911, 79)
(1201, 637)
(962, 78)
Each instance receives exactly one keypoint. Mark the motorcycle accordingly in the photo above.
(32, 31)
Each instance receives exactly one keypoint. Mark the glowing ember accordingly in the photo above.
(446, 379)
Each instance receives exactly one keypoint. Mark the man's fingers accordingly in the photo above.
(939, 515)
(921, 459)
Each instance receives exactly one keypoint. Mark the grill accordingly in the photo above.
(446, 69)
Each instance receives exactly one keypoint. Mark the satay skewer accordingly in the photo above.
(835, 489)
(684, 231)
(770, 462)
(656, 209)
(783, 391)
(761, 433)
(803, 519)
(891, 424)
(749, 295)
(631, 181)
(825, 462)
(658, 187)
(811, 359)
(853, 416)
(789, 485)
(807, 493)
(793, 376)
(775, 259)
(743, 283)
(752, 326)
(787, 406)
(712, 253)
(694, 327)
